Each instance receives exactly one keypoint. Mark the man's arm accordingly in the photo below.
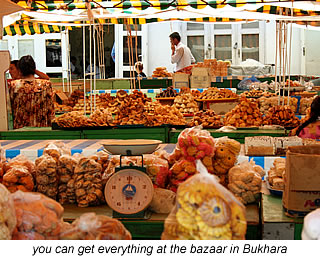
(176, 57)
(193, 60)
(41, 75)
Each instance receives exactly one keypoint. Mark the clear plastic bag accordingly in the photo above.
(205, 210)
(245, 181)
(22, 161)
(7, 214)
(18, 177)
(90, 226)
(38, 217)
(157, 169)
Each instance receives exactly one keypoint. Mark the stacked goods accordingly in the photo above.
(282, 143)
(305, 103)
(19, 174)
(281, 115)
(245, 114)
(205, 210)
(73, 119)
(74, 97)
(187, 70)
(102, 117)
(186, 104)
(47, 177)
(169, 92)
(260, 85)
(89, 104)
(160, 72)
(157, 115)
(276, 174)
(90, 226)
(265, 103)
(253, 93)
(227, 151)
(193, 144)
(66, 166)
(130, 113)
(88, 186)
(103, 159)
(259, 145)
(38, 217)
(7, 214)
(245, 181)
(31, 103)
(216, 68)
(61, 108)
(207, 119)
(215, 93)
(196, 93)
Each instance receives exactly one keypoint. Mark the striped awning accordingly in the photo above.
(24, 27)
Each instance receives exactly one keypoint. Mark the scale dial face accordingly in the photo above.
(129, 191)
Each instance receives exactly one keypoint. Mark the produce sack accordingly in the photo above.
(245, 181)
(31, 103)
(302, 181)
(38, 217)
(90, 226)
(7, 214)
(205, 210)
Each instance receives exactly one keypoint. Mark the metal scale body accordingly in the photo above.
(129, 191)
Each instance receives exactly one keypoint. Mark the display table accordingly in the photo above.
(276, 225)
(153, 227)
(238, 135)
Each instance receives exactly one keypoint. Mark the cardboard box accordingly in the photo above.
(180, 80)
(302, 180)
(200, 78)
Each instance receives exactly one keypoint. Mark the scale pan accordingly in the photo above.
(131, 147)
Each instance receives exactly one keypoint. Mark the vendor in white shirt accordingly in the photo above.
(181, 54)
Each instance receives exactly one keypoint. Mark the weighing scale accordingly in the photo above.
(129, 191)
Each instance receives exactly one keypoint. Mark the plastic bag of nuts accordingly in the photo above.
(90, 226)
(38, 217)
(47, 178)
(18, 178)
(88, 183)
(7, 214)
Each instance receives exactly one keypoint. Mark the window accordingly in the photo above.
(3, 45)
(222, 47)
(250, 46)
(53, 53)
(254, 25)
(222, 27)
(195, 26)
(126, 60)
(133, 27)
(25, 47)
(196, 45)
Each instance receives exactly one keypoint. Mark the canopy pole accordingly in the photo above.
(90, 48)
(84, 65)
(290, 45)
(63, 87)
(137, 58)
(95, 67)
(277, 89)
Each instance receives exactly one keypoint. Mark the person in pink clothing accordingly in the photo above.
(311, 127)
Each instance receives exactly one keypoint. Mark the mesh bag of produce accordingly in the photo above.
(245, 181)
(38, 217)
(90, 226)
(205, 210)
(7, 214)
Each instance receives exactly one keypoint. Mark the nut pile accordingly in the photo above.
(281, 115)
(208, 119)
(169, 92)
(186, 104)
(245, 114)
(88, 186)
(161, 72)
(215, 93)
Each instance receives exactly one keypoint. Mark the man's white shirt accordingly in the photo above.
(182, 57)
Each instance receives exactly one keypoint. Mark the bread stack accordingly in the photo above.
(276, 174)
(161, 72)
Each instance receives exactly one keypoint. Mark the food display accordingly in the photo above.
(265, 103)
(215, 93)
(259, 145)
(281, 115)
(226, 154)
(168, 92)
(245, 114)
(88, 183)
(186, 104)
(8, 220)
(276, 174)
(90, 226)
(88, 104)
(161, 72)
(18, 178)
(205, 210)
(255, 93)
(47, 178)
(208, 119)
(62, 108)
(102, 117)
(72, 119)
(282, 143)
(305, 103)
(31, 103)
(157, 169)
(245, 181)
(38, 217)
